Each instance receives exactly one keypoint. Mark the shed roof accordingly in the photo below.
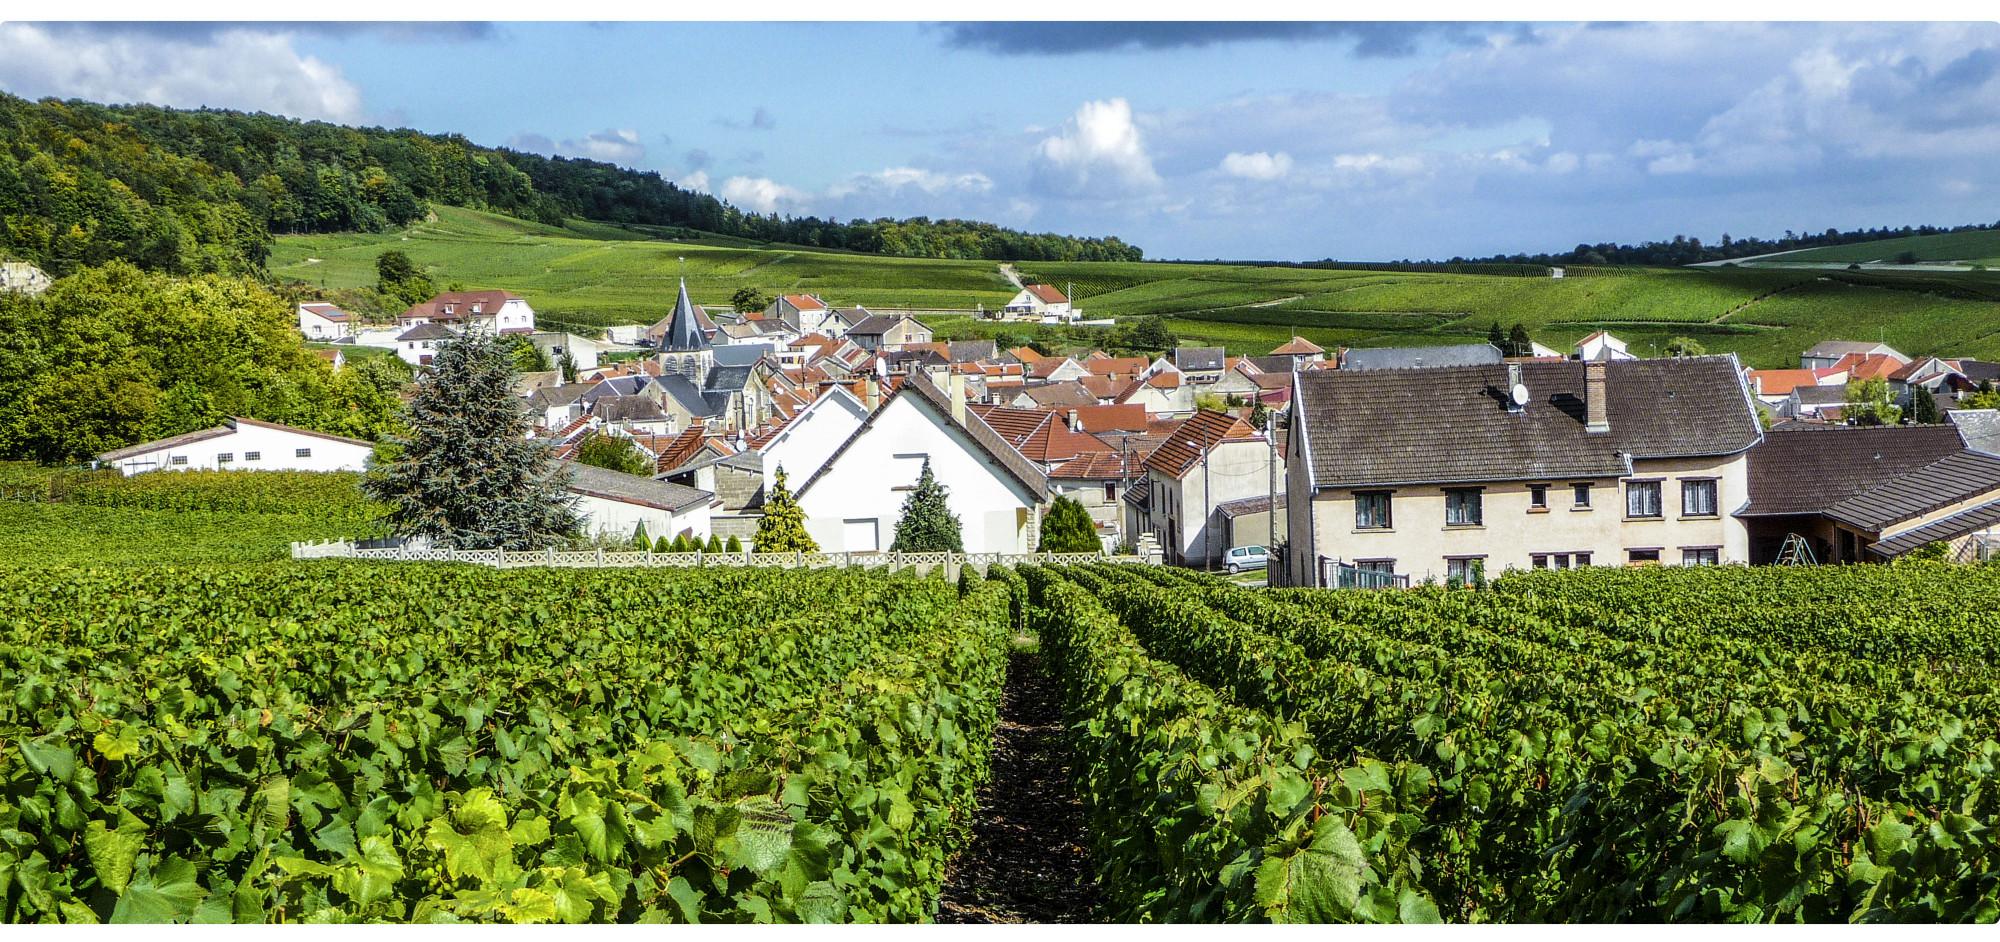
(632, 489)
(1949, 480)
(1806, 468)
(1397, 358)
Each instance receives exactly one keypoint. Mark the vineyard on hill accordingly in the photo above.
(351, 741)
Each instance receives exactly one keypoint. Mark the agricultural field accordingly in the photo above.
(1973, 247)
(590, 275)
(1598, 745)
(341, 742)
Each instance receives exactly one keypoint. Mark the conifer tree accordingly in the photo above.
(469, 476)
(1069, 529)
(783, 527)
(1519, 344)
(663, 545)
(734, 545)
(927, 524)
(1924, 407)
(714, 544)
(639, 540)
(1496, 337)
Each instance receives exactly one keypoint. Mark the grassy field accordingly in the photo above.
(593, 275)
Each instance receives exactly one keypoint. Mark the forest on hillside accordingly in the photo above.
(1682, 250)
(205, 191)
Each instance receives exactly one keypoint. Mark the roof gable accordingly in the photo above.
(1196, 437)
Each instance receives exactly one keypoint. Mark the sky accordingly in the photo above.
(1242, 140)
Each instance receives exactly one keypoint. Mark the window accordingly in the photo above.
(178, 459)
(1701, 556)
(1539, 561)
(1698, 498)
(1461, 508)
(1538, 497)
(1376, 565)
(1580, 496)
(1461, 567)
(1371, 510)
(302, 453)
(1642, 499)
(1559, 560)
(1110, 492)
(225, 458)
(1642, 557)
(253, 456)
(1582, 560)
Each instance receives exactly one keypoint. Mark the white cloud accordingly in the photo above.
(1098, 153)
(234, 68)
(696, 181)
(762, 194)
(1257, 166)
(895, 179)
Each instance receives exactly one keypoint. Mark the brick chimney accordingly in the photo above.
(1596, 417)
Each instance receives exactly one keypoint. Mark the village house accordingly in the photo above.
(1212, 459)
(1444, 471)
(808, 314)
(581, 351)
(241, 444)
(496, 312)
(1253, 521)
(1601, 346)
(1829, 353)
(853, 502)
(1299, 354)
(616, 504)
(1098, 480)
(1042, 303)
(1200, 365)
(1871, 494)
(321, 321)
(417, 345)
(890, 333)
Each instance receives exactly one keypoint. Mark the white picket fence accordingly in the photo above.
(602, 559)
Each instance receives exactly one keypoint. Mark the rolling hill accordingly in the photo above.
(593, 275)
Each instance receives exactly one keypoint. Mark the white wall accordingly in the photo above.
(276, 450)
(620, 519)
(1236, 471)
(995, 513)
(315, 327)
(812, 437)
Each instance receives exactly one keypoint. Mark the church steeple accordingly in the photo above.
(684, 334)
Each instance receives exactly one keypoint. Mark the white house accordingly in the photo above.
(615, 503)
(1212, 459)
(240, 444)
(853, 503)
(626, 333)
(418, 344)
(501, 312)
(803, 446)
(1602, 346)
(1043, 303)
(321, 321)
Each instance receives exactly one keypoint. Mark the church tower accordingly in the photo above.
(685, 349)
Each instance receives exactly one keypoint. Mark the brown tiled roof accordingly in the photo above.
(461, 303)
(1130, 417)
(1249, 505)
(804, 302)
(1983, 517)
(1299, 346)
(1065, 395)
(1935, 486)
(1014, 425)
(1780, 382)
(1103, 387)
(1099, 466)
(1042, 368)
(1450, 424)
(1024, 354)
(1055, 442)
(1196, 437)
(1803, 468)
(1870, 366)
(1116, 366)
(325, 310)
(1047, 293)
(681, 450)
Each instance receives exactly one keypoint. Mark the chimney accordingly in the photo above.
(871, 395)
(955, 388)
(1514, 403)
(1075, 421)
(1596, 417)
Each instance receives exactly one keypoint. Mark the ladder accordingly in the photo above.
(1796, 552)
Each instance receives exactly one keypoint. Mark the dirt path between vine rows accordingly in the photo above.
(1026, 862)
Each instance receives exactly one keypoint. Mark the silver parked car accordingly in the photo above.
(1244, 557)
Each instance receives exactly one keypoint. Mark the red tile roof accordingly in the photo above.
(1196, 437)
(1780, 382)
(805, 302)
(460, 304)
(681, 450)
(1099, 466)
(1104, 387)
(1872, 366)
(1130, 417)
(1299, 346)
(1115, 366)
(1047, 293)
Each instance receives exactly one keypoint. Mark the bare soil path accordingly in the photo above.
(1026, 862)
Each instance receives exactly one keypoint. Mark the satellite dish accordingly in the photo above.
(1520, 394)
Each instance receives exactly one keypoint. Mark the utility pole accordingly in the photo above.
(1207, 538)
(1271, 472)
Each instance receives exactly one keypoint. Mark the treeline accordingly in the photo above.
(205, 191)
(1681, 250)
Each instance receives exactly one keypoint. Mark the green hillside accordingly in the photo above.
(594, 275)
(1972, 247)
